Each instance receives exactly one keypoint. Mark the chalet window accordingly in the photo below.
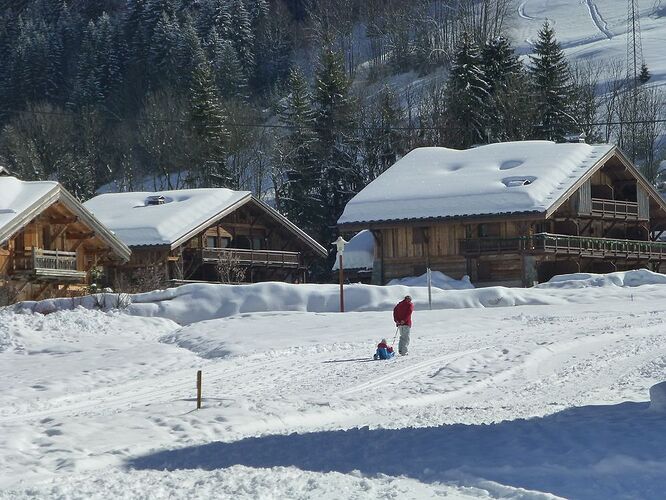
(419, 235)
(488, 230)
(211, 242)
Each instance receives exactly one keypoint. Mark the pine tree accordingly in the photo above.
(505, 77)
(229, 74)
(337, 147)
(298, 195)
(552, 87)
(467, 96)
(383, 142)
(644, 75)
(164, 63)
(190, 54)
(206, 120)
(87, 90)
(242, 36)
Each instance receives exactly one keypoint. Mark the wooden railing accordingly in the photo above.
(53, 259)
(614, 209)
(45, 259)
(599, 247)
(49, 265)
(251, 257)
(568, 245)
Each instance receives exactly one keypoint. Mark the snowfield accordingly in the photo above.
(506, 393)
(595, 30)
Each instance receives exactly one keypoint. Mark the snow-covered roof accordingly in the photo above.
(21, 201)
(135, 221)
(172, 217)
(359, 252)
(510, 177)
(18, 197)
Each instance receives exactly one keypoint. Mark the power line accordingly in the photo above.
(363, 128)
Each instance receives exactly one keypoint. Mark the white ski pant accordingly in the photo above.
(404, 339)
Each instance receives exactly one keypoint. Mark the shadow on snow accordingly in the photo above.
(587, 452)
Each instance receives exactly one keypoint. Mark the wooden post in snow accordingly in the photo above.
(198, 389)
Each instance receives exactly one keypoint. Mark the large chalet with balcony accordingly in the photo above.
(510, 214)
(50, 245)
(192, 235)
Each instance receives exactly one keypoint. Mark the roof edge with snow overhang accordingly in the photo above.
(211, 220)
(578, 164)
(55, 194)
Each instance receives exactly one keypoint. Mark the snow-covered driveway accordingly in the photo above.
(489, 401)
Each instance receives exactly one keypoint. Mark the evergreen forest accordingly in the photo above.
(302, 102)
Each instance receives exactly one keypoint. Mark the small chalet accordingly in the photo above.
(187, 235)
(510, 213)
(49, 243)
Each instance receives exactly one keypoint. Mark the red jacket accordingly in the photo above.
(384, 345)
(402, 313)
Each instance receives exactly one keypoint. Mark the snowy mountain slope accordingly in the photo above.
(594, 29)
(491, 402)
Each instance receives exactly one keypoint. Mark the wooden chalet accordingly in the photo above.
(510, 213)
(49, 242)
(184, 236)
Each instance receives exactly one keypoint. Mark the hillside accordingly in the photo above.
(595, 30)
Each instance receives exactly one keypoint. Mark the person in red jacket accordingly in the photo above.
(402, 315)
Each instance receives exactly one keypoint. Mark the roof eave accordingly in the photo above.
(104, 233)
(581, 180)
(27, 215)
(354, 226)
(211, 220)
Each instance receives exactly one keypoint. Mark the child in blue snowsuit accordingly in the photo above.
(384, 351)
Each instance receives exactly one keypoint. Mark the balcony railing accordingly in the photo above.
(567, 245)
(614, 209)
(49, 265)
(270, 258)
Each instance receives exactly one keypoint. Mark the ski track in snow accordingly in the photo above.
(404, 373)
(598, 19)
(521, 12)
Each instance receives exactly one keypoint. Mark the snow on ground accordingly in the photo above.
(524, 401)
(594, 30)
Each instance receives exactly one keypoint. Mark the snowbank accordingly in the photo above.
(634, 278)
(439, 280)
(200, 302)
(658, 397)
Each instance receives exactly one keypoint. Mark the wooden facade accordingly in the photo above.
(53, 249)
(610, 220)
(253, 237)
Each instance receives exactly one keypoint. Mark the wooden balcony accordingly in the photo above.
(613, 209)
(251, 258)
(49, 265)
(566, 245)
